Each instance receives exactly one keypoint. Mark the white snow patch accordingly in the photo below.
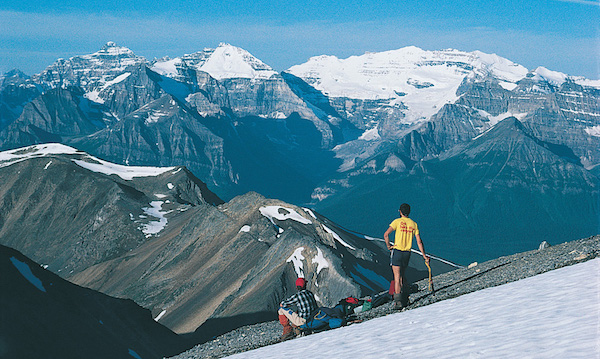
(337, 237)
(296, 258)
(47, 165)
(508, 85)
(272, 212)
(117, 79)
(94, 96)
(245, 228)
(593, 131)
(154, 227)
(310, 212)
(11, 157)
(552, 315)
(322, 263)
(125, 172)
(167, 68)
(553, 77)
(158, 195)
(370, 135)
(26, 272)
(170, 185)
(160, 315)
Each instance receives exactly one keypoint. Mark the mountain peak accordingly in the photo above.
(109, 44)
(113, 50)
(228, 61)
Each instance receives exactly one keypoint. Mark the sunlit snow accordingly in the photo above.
(320, 260)
(422, 80)
(593, 131)
(155, 210)
(158, 317)
(233, 62)
(245, 228)
(552, 315)
(10, 157)
(272, 212)
(296, 258)
(125, 172)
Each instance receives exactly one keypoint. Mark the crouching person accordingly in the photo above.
(295, 310)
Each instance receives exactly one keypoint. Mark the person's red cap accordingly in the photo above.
(300, 282)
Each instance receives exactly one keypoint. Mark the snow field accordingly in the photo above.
(552, 315)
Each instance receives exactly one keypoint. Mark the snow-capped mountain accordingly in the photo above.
(322, 131)
(418, 81)
(389, 94)
(224, 62)
(89, 71)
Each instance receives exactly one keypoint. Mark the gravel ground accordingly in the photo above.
(448, 285)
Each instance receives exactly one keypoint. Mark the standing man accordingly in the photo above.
(405, 229)
(294, 311)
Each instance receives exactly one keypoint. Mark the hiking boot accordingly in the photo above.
(287, 336)
(397, 302)
(297, 332)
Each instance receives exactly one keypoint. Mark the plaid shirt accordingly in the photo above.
(304, 301)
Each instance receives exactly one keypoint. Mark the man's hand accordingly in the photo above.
(426, 258)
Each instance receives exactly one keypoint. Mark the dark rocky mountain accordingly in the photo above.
(16, 90)
(320, 130)
(68, 218)
(160, 237)
(505, 189)
(56, 116)
(45, 316)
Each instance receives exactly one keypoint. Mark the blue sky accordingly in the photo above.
(562, 35)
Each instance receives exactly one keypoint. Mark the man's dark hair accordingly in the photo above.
(405, 209)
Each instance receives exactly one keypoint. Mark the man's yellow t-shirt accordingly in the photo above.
(405, 229)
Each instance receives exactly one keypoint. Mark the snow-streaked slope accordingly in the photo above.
(552, 315)
(422, 80)
(91, 70)
(91, 163)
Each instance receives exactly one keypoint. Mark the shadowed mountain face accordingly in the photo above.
(45, 316)
(501, 193)
(157, 235)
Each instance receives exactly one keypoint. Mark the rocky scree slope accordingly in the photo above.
(448, 285)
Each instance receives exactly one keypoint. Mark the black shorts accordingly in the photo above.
(400, 259)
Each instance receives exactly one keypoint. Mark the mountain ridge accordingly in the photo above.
(286, 135)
